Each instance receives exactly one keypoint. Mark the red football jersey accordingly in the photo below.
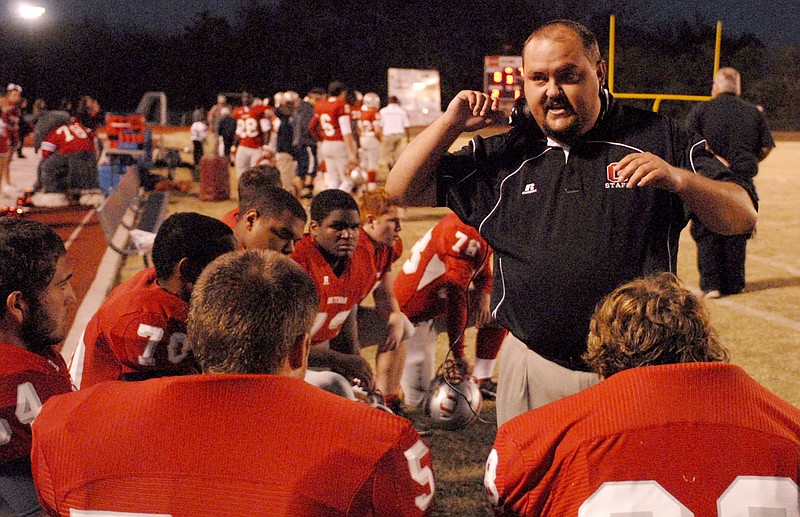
(67, 139)
(231, 218)
(253, 125)
(139, 331)
(330, 115)
(367, 121)
(449, 253)
(27, 380)
(337, 294)
(656, 440)
(227, 445)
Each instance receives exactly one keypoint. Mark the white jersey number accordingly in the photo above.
(410, 266)
(70, 132)
(247, 128)
(747, 496)
(177, 349)
(327, 127)
(420, 474)
(28, 403)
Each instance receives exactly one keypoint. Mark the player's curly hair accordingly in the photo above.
(375, 203)
(651, 321)
(247, 310)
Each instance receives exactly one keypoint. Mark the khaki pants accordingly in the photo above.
(527, 380)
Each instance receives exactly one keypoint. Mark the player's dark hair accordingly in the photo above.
(272, 202)
(29, 251)
(257, 177)
(335, 88)
(316, 91)
(588, 40)
(198, 238)
(329, 200)
(651, 321)
(248, 310)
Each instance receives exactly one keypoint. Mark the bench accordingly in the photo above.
(130, 217)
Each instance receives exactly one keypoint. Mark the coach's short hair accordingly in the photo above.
(329, 200)
(272, 202)
(247, 310)
(651, 321)
(196, 237)
(257, 177)
(29, 251)
(375, 203)
(588, 40)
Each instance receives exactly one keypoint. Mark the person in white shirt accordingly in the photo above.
(394, 130)
(199, 132)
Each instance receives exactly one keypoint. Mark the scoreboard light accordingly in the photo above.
(495, 94)
(502, 79)
(497, 77)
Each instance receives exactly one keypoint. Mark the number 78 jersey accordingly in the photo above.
(451, 252)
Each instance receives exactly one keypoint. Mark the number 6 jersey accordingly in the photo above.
(138, 332)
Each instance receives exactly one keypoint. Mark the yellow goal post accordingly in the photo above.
(657, 97)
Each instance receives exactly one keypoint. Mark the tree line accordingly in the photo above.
(298, 44)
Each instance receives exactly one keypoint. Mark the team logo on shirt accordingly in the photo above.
(614, 180)
(530, 188)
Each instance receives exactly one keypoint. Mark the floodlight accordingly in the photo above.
(30, 12)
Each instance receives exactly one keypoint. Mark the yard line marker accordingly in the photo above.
(77, 230)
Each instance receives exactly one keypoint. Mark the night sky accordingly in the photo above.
(773, 21)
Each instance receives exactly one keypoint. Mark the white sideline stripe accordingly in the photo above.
(101, 285)
(769, 316)
(77, 231)
(775, 263)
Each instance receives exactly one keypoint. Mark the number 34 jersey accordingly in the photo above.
(27, 380)
(337, 294)
(138, 332)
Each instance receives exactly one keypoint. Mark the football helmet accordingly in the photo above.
(359, 176)
(454, 399)
(372, 100)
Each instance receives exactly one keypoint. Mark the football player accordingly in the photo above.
(248, 437)
(140, 330)
(271, 218)
(331, 125)
(10, 120)
(254, 125)
(69, 161)
(369, 137)
(434, 282)
(671, 430)
(380, 235)
(37, 299)
(344, 275)
(251, 179)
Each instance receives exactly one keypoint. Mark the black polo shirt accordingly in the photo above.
(735, 129)
(564, 230)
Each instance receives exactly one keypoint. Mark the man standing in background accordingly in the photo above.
(737, 132)
(394, 131)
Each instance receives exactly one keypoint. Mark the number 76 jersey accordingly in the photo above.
(139, 332)
(452, 252)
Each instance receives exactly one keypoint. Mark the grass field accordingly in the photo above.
(761, 326)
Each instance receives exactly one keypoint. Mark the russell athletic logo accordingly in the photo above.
(530, 188)
(613, 177)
